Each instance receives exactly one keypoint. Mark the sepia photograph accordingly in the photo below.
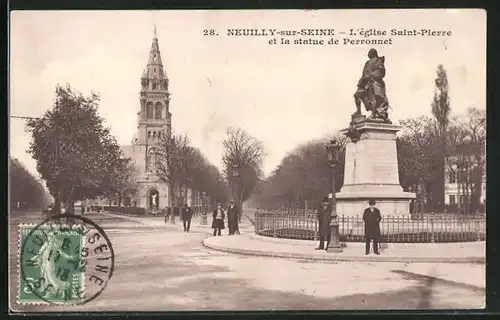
(247, 160)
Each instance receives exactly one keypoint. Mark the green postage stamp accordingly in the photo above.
(51, 268)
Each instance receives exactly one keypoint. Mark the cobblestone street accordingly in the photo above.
(160, 268)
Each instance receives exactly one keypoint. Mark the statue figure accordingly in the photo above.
(371, 88)
(154, 196)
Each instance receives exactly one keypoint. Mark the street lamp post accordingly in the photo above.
(333, 153)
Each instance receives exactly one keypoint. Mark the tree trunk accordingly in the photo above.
(57, 204)
(171, 196)
(240, 203)
(120, 200)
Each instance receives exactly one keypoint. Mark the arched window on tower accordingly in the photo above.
(158, 110)
(154, 86)
(149, 110)
(154, 134)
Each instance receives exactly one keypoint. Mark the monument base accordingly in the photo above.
(371, 171)
(388, 204)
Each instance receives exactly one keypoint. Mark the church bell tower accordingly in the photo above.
(154, 116)
(153, 127)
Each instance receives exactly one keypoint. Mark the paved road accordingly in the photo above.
(161, 268)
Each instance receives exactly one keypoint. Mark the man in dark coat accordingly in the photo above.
(324, 212)
(218, 219)
(186, 215)
(232, 217)
(372, 218)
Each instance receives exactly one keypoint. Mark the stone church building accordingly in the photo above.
(154, 119)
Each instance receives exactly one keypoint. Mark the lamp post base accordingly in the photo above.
(334, 249)
(334, 245)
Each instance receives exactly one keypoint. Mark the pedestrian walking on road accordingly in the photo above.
(186, 216)
(324, 212)
(168, 212)
(218, 219)
(232, 218)
(372, 218)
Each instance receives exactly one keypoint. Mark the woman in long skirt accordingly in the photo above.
(218, 219)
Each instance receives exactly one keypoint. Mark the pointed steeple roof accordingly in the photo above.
(154, 68)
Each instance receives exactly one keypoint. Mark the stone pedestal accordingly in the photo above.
(371, 172)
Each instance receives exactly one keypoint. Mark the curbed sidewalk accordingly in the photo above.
(252, 244)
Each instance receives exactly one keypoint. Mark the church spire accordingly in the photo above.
(154, 76)
(154, 53)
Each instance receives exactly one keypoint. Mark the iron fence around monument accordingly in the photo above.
(303, 225)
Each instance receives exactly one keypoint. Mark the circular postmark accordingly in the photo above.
(64, 263)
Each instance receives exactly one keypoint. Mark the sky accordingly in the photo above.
(283, 95)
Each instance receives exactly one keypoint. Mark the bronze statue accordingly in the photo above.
(371, 89)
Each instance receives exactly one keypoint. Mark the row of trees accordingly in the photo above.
(79, 159)
(179, 162)
(186, 167)
(25, 190)
(421, 154)
(428, 147)
(444, 147)
(302, 176)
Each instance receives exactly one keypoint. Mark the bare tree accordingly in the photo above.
(416, 146)
(466, 160)
(242, 161)
(171, 164)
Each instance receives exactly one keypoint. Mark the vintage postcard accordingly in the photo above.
(215, 160)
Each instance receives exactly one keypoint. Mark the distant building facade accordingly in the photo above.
(457, 189)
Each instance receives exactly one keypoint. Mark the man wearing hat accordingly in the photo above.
(218, 219)
(372, 218)
(324, 212)
(186, 216)
(232, 217)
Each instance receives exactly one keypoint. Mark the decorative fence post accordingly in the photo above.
(478, 235)
(432, 227)
(315, 225)
(274, 225)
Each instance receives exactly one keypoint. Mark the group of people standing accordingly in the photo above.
(219, 215)
(371, 218)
